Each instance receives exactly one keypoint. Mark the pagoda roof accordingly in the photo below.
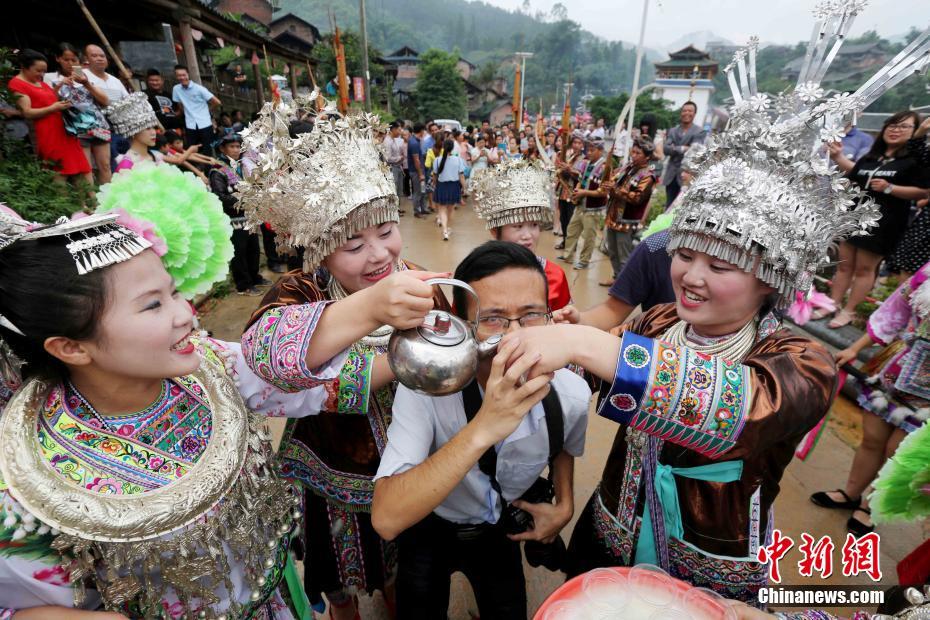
(689, 52)
(674, 63)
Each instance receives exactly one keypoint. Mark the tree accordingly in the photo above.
(484, 77)
(609, 108)
(558, 12)
(440, 91)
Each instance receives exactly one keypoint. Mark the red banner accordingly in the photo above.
(358, 89)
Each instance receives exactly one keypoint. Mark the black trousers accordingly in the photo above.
(430, 551)
(244, 263)
(271, 252)
(566, 210)
(671, 192)
(203, 136)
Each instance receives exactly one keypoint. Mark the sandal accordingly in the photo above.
(842, 319)
(823, 499)
(857, 527)
(821, 313)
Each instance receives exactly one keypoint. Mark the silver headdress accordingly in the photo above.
(131, 114)
(320, 188)
(764, 197)
(94, 242)
(513, 192)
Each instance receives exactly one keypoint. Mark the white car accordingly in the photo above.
(448, 124)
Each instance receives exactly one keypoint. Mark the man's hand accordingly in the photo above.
(548, 520)
(835, 149)
(507, 398)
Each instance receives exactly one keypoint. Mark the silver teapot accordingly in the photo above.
(440, 356)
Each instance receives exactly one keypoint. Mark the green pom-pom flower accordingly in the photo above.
(900, 487)
(186, 216)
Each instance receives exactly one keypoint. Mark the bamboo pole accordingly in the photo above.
(319, 95)
(106, 43)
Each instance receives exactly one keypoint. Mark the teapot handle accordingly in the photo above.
(460, 284)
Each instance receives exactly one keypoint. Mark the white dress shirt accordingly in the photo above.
(394, 150)
(422, 424)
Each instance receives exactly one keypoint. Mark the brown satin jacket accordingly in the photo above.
(344, 443)
(793, 382)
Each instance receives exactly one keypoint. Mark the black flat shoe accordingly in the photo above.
(857, 527)
(825, 501)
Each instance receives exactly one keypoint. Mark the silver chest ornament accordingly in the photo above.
(440, 356)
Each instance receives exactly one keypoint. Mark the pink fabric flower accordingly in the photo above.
(802, 309)
(143, 228)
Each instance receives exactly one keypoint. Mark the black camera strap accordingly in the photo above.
(555, 425)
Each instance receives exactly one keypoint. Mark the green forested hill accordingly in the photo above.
(485, 34)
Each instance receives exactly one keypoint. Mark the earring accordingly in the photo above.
(323, 279)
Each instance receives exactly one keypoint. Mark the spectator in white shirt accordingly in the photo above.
(394, 148)
(97, 75)
(431, 493)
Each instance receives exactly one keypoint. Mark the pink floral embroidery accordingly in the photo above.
(125, 430)
(106, 485)
(156, 462)
(54, 575)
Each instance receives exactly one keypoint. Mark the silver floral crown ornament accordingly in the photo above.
(765, 197)
(319, 189)
(131, 114)
(515, 191)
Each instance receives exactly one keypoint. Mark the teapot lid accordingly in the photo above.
(443, 329)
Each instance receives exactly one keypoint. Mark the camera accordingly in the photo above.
(516, 521)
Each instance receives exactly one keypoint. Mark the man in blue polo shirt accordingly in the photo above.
(194, 103)
(645, 281)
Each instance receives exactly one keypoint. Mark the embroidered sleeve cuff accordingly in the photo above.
(275, 347)
(355, 382)
(691, 399)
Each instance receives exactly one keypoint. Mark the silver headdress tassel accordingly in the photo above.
(131, 114)
(94, 242)
(319, 189)
(513, 192)
(764, 197)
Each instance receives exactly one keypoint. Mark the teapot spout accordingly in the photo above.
(489, 346)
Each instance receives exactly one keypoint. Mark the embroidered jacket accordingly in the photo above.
(334, 455)
(685, 415)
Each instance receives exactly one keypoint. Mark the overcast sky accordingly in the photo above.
(775, 21)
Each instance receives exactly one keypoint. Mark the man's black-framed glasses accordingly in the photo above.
(502, 323)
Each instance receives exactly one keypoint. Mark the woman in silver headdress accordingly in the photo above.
(346, 225)
(711, 394)
(136, 467)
